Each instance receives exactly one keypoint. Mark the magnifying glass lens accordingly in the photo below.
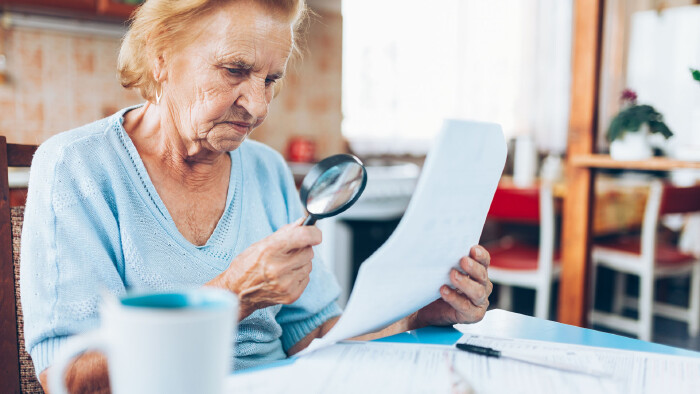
(332, 186)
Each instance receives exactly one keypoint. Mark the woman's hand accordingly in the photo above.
(468, 300)
(86, 374)
(466, 303)
(272, 271)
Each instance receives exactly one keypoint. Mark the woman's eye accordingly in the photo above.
(235, 71)
(269, 81)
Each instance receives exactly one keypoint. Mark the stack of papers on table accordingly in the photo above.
(376, 367)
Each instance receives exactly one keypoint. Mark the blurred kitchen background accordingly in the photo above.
(378, 77)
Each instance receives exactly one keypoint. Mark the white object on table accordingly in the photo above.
(630, 371)
(152, 348)
(443, 220)
(525, 161)
(379, 367)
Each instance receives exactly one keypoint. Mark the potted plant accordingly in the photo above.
(696, 74)
(630, 129)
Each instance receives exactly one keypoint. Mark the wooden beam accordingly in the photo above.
(9, 352)
(576, 233)
(20, 155)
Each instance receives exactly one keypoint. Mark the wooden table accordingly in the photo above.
(619, 204)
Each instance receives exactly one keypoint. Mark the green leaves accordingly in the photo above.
(696, 74)
(632, 118)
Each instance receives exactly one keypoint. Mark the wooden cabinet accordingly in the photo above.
(54, 5)
(115, 8)
(83, 8)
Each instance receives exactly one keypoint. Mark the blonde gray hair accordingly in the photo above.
(160, 25)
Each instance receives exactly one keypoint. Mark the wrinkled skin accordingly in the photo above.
(274, 270)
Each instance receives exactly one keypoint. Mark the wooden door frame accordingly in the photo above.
(583, 120)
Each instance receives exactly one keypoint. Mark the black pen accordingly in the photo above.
(562, 366)
(484, 351)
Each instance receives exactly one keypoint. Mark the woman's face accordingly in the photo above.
(217, 89)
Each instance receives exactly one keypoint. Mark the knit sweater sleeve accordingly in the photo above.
(70, 251)
(318, 302)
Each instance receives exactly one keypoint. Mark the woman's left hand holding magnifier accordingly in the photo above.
(272, 271)
(276, 269)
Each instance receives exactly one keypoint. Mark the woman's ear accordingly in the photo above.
(159, 72)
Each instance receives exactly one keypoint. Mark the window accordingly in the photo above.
(408, 65)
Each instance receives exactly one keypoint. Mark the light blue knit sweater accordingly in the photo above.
(94, 221)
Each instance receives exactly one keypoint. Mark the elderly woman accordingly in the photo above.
(170, 194)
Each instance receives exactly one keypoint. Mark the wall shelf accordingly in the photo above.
(653, 164)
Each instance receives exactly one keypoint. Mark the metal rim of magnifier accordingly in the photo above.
(323, 166)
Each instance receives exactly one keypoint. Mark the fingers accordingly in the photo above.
(297, 262)
(295, 283)
(304, 254)
(474, 270)
(481, 255)
(475, 292)
(302, 259)
(461, 304)
(291, 237)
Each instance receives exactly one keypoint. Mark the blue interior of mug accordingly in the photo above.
(178, 300)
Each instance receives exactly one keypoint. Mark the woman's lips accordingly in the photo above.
(243, 128)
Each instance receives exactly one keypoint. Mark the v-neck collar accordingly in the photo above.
(221, 238)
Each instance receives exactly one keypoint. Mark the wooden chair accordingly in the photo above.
(521, 264)
(16, 368)
(649, 258)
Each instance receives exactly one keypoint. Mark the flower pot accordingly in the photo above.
(634, 145)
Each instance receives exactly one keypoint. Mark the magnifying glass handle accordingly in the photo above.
(310, 220)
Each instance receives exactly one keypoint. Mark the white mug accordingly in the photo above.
(180, 342)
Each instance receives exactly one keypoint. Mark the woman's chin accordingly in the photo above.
(227, 145)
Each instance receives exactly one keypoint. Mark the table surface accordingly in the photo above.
(501, 323)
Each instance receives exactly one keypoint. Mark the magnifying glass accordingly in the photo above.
(332, 186)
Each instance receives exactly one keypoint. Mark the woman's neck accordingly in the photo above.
(161, 145)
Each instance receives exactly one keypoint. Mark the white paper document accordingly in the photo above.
(376, 367)
(369, 367)
(627, 371)
(443, 220)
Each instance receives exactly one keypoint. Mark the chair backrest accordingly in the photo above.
(665, 199)
(520, 205)
(533, 205)
(16, 371)
(680, 200)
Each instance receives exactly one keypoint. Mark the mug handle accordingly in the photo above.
(73, 347)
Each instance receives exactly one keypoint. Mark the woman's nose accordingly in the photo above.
(253, 98)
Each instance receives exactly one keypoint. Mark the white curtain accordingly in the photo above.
(408, 65)
(663, 48)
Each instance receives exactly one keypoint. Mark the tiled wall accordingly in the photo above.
(57, 81)
(309, 103)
